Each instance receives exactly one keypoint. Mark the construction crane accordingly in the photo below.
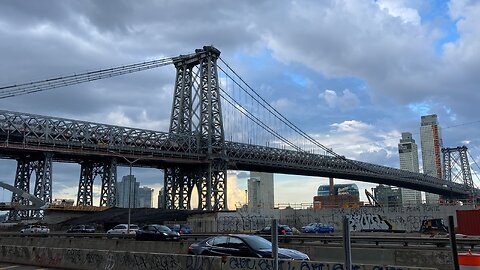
(371, 200)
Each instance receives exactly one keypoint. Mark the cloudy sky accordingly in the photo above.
(354, 74)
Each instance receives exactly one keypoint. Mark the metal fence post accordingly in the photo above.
(453, 242)
(347, 245)
(275, 243)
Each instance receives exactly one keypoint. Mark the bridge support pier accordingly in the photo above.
(179, 182)
(43, 184)
(88, 171)
(109, 181)
(212, 188)
(210, 181)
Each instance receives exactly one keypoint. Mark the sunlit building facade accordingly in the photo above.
(408, 153)
(341, 196)
(431, 140)
(260, 190)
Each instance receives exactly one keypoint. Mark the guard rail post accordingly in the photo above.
(453, 242)
(347, 245)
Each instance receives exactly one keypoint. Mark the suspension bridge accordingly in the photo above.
(218, 123)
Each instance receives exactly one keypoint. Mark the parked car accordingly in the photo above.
(180, 228)
(35, 229)
(242, 245)
(155, 232)
(282, 230)
(318, 228)
(81, 229)
(123, 229)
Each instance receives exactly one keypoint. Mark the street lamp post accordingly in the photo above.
(130, 162)
(130, 189)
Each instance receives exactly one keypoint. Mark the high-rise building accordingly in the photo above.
(127, 191)
(387, 195)
(408, 153)
(431, 140)
(160, 198)
(260, 190)
(144, 197)
(336, 196)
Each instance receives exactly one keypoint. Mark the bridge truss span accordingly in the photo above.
(56, 133)
(261, 158)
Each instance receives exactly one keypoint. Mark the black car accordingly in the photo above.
(282, 230)
(242, 245)
(155, 232)
(81, 229)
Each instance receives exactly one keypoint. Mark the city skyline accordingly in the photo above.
(354, 81)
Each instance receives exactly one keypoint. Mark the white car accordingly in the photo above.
(35, 229)
(123, 229)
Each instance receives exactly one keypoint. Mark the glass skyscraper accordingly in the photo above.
(127, 191)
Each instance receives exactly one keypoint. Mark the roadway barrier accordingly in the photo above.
(469, 261)
(381, 254)
(120, 260)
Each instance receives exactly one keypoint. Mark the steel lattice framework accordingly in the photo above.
(196, 111)
(193, 154)
(23, 136)
(456, 167)
(26, 165)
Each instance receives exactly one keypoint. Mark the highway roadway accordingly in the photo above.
(11, 266)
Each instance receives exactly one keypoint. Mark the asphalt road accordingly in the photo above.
(11, 266)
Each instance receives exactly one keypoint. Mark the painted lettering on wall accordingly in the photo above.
(372, 222)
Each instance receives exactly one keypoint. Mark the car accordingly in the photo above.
(318, 228)
(123, 229)
(81, 229)
(242, 245)
(180, 228)
(155, 232)
(282, 230)
(30, 229)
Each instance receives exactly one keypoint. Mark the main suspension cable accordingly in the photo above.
(43, 85)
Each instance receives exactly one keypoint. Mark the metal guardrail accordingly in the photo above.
(466, 243)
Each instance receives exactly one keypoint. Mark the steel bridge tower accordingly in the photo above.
(456, 167)
(107, 169)
(26, 166)
(196, 111)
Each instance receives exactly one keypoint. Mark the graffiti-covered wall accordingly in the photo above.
(365, 218)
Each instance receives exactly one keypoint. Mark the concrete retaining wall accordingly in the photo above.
(397, 218)
(109, 260)
(439, 258)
